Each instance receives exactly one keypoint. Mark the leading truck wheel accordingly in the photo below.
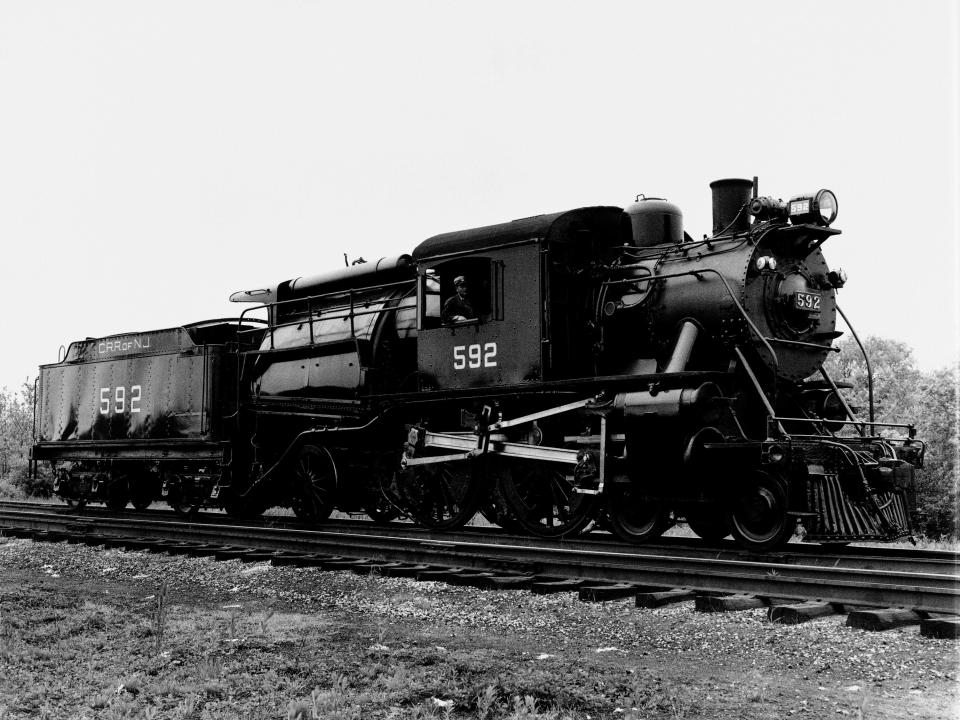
(758, 516)
(633, 518)
(314, 484)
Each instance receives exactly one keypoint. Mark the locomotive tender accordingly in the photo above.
(614, 371)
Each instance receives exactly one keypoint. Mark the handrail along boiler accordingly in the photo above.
(617, 373)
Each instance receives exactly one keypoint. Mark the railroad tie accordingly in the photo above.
(231, 553)
(801, 612)
(342, 563)
(614, 591)
(405, 570)
(257, 556)
(947, 628)
(726, 603)
(375, 568)
(438, 574)
(504, 582)
(305, 560)
(548, 587)
(882, 619)
(469, 578)
(665, 596)
(204, 550)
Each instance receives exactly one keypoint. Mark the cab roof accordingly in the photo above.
(539, 227)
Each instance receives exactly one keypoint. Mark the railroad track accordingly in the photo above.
(908, 586)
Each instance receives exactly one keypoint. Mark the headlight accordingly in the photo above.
(819, 208)
(766, 262)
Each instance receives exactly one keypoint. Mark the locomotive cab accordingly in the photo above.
(532, 293)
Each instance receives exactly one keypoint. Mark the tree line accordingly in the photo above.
(902, 393)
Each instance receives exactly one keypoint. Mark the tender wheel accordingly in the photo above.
(633, 518)
(709, 527)
(758, 516)
(542, 500)
(441, 496)
(314, 484)
(141, 502)
(118, 495)
(143, 487)
(183, 508)
(75, 503)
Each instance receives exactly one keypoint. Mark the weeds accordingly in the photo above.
(265, 622)
(486, 703)
(159, 617)
(209, 668)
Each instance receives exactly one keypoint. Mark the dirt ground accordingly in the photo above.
(95, 633)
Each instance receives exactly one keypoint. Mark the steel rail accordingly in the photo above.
(851, 556)
(927, 592)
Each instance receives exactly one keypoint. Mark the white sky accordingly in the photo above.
(157, 156)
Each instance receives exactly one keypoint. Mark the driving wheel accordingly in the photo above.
(440, 496)
(543, 500)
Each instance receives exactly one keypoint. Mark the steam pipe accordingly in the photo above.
(866, 359)
(683, 348)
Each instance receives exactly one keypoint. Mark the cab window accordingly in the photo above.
(457, 291)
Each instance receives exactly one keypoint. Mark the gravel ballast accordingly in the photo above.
(93, 632)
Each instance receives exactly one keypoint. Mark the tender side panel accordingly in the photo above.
(165, 396)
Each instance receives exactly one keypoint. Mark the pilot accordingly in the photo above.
(457, 308)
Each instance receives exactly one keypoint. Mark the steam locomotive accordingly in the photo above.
(603, 368)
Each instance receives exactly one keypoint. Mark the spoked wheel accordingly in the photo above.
(496, 509)
(314, 484)
(712, 528)
(118, 494)
(441, 496)
(542, 500)
(634, 518)
(758, 516)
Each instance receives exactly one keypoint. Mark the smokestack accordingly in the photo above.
(729, 198)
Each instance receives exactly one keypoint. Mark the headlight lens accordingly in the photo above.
(819, 208)
(827, 205)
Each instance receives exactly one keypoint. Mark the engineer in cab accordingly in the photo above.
(457, 308)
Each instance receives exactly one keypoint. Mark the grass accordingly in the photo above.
(162, 660)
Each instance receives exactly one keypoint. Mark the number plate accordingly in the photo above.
(807, 301)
